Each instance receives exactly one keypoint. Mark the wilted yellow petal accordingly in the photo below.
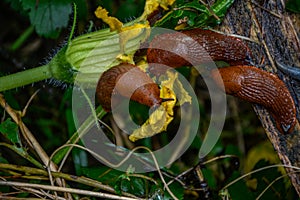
(165, 3)
(160, 119)
(155, 124)
(142, 64)
(113, 22)
(126, 32)
(152, 5)
(180, 27)
(174, 84)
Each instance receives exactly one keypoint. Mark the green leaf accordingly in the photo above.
(176, 189)
(131, 184)
(265, 177)
(293, 5)
(239, 190)
(102, 173)
(10, 130)
(195, 14)
(48, 16)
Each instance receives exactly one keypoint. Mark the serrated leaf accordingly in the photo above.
(48, 16)
(10, 130)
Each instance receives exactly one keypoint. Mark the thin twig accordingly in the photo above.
(271, 12)
(28, 103)
(68, 177)
(67, 190)
(122, 161)
(258, 170)
(278, 178)
(16, 116)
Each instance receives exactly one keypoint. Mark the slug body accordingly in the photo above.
(257, 86)
(129, 81)
(196, 46)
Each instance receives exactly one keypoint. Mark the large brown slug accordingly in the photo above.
(260, 87)
(195, 46)
(129, 81)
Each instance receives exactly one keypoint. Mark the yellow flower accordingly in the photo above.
(160, 119)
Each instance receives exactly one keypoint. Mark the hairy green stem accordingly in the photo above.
(25, 77)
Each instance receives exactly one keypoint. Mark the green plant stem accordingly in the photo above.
(23, 154)
(83, 129)
(16, 45)
(25, 77)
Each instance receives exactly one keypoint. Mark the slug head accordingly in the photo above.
(128, 81)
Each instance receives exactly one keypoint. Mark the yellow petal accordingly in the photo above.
(152, 126)
(165, 3)
(153, 5)
(160, 119)
(174, 84)
(113, 22)
(126, 32)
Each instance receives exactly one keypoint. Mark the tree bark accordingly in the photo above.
(276, 33)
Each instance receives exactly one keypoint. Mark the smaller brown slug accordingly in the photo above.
(179, 49)
(129, 81)
(260, 87)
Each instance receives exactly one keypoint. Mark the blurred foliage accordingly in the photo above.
(293, 5)
(50, 118)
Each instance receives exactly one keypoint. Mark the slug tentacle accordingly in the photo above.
(129, 81)
(260, 87)
(196, 46)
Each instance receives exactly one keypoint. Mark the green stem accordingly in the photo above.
(23, 154)
(22, 38)
(25, 77)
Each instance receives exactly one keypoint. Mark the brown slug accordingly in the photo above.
(257, 86)
(185, 52)
(129, 81)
